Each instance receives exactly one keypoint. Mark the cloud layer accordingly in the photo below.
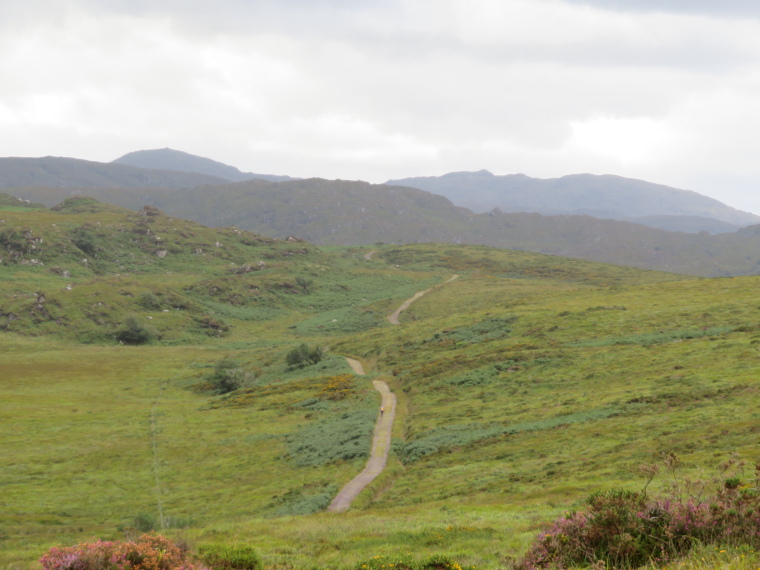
(664, 91)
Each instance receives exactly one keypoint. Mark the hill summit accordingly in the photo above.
(170, 159)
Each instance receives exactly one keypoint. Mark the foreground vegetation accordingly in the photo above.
(524, 386)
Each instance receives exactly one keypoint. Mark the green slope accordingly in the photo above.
(352, 213)
(524, 385)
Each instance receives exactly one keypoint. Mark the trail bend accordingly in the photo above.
(381, 443)
(393, 318)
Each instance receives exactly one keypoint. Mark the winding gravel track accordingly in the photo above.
(393, 318)
(381, 444)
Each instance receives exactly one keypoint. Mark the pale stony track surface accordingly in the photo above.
(393, 318)
(368, 256)
(381, 443)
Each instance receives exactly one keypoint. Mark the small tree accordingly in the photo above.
(135, 332)
(302, 356)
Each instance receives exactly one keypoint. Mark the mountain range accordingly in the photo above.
(606, 196)
(358, 213)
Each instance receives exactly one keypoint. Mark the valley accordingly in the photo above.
(525, 384)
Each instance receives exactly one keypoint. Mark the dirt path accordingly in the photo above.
(368, 256)
(356, 366)
(393, 318)
(381, 444)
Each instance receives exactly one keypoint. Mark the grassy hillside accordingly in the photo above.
(59, 172)
(524, 385)
(351, 213)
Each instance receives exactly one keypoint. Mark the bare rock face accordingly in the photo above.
(161, 252)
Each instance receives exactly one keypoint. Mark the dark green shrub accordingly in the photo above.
(302, 356)
(150, 301)
(145, 522)
(135, 332)
(229, 557)
(84, 240)
(304, 284)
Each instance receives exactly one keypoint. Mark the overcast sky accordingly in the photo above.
(666, 91)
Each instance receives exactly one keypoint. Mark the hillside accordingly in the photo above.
(523, 386)
(170, 159)
(57, 172)
(353, 213)
(605, 196)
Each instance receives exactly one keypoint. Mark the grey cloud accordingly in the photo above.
(729, 8)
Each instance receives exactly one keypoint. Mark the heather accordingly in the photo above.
(628, 529)
(149, 552)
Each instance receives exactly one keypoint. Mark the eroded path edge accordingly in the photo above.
(381, 444)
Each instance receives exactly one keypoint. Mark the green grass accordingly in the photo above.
(518, 396)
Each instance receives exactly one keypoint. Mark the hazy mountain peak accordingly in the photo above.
(604, 196)
(170, 159)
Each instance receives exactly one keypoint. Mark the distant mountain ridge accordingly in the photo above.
(61, 172)
(170, 159)
(601, 196)
(358, 213)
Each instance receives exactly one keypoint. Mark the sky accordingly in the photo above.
(665, 91)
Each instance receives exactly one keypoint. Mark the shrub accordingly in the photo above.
(225, 557)
(84, 240)
(149, 552)
(135, 332)
(302, 356)
(628, 529)
(150, 301)
(228, 376)
(304, 284)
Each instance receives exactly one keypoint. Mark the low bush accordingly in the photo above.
(626, 529)
(303, 356)
(149, 552)
(134, 332)
(303, 501)
(150, 301)
(229, 376)
(230, 557)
